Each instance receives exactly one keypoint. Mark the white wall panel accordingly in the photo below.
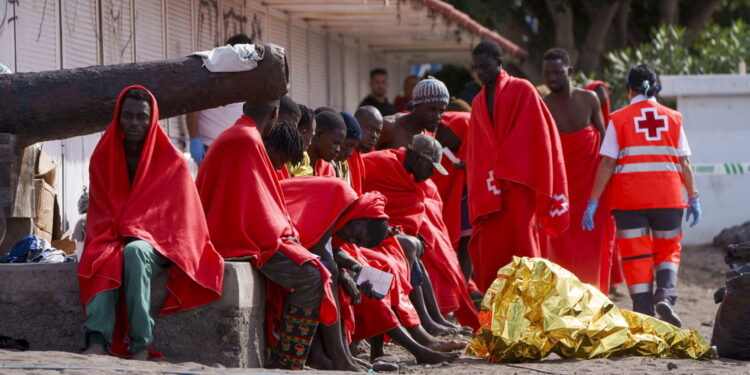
(298, 65)
(80, 33)
(256, 28)
(37, 36)
(117, 31)
(318, 70)
(7, 35)
(335, 74)
(233, 18)
(207, 19)
(149, 30)
(278, 31)
(351, 77)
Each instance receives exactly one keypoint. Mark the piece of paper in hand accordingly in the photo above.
(380, 280)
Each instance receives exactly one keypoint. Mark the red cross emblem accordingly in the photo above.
(559, 205)
(651, 123)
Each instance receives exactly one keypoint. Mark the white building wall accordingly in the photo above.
(715, 113)
(326, 70)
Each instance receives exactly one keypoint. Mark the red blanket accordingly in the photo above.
(324, 169)
(147, 209)
(245, 208)
(356, 171)
(515, 160)
(451, 187)
(417, 208)
(585, 253)
(605, 106)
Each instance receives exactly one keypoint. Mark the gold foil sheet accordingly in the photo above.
(536, 307)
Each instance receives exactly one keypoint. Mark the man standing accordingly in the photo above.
(235, 176)
(379, 87)
(516, 174)
(646, 155)
(204, 126)
(400, 102)
(579, 121)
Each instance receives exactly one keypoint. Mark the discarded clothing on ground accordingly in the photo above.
(32, 249)
(731, 334)
(536, 307)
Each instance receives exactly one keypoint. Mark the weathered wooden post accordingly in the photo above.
(44, 106)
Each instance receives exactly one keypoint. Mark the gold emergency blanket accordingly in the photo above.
(536, 307)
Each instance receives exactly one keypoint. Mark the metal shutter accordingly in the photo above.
(117, 31)
(149, 30)
(80, 31)
(298, 65)
(318, 70)
(235, 20)
(37, 38)
(207, 21)
(256, 25)
(7, 35)
(335, 74)
(363, 78)
(351, 77)
(179, 28)
(278, 32)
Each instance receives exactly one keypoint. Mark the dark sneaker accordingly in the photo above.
(666, 313)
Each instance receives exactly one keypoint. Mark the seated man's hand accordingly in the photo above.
(350, 287)
(366, 289)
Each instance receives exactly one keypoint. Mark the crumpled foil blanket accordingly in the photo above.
(536, 307)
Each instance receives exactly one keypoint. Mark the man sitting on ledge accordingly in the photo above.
(145, 218)
(248, 218)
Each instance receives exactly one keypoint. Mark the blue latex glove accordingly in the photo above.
(588, 215)
(694, 209)
(197, 150)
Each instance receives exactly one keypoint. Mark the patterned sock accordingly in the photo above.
(298, 327)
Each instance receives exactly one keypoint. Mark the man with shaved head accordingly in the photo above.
(371, 122)
(330, 133)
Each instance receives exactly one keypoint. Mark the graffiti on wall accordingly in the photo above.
(208, 24)
(234, 22)
(120, 34)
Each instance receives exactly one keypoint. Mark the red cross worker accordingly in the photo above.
(645, 164)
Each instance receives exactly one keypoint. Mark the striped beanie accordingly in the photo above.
(430, 90)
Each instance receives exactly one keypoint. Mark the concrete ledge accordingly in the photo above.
(40, 303)
(705, 85)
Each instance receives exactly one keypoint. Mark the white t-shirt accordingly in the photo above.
(611, 148)
(211, 122)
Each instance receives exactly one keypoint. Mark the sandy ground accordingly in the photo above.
(702, 272)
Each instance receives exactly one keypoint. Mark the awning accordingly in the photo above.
(419, 31)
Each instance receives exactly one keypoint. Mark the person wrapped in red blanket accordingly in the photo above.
(516, 179)
(145, 218)
(414, 204)
(247, 218)
(578, 117)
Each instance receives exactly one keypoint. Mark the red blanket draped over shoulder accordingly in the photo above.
(583, 252)
(147, 209)
(161, 207)
(516, 179)
(245, 208)
(324, 169)
(451, 187)
(417, 208)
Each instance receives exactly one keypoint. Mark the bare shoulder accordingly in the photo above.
(587, 96)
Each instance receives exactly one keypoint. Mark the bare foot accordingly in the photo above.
(141, 355)
(447, 346)
(95, 349)
(436, 329)
(430, 356)
(348, 364)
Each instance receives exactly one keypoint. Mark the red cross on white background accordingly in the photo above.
(651, 124)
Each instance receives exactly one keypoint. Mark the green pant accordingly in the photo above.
(141, 264)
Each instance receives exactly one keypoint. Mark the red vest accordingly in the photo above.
(648, 173)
